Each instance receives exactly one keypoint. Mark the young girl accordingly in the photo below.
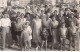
(44, 36)
(63, 33)
(26, 36)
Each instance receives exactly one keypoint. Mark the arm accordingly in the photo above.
(50, 27)
(21, 35)
(9, 23)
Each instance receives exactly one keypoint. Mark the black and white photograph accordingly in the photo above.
(39, 25)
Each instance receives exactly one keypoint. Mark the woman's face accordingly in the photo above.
(22, 15)
(72, 16)
(53, 18)
(19, 20)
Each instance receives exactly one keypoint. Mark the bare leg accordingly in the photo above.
(42, 44)
(46, 44)
(70, 44)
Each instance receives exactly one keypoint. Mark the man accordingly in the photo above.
(5, 24)
(72, 30)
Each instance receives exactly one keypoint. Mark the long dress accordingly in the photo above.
(36, 29)
(78, 36)
(54, 25)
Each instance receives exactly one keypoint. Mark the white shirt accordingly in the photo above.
(5, 22)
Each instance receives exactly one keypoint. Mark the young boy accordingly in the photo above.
(26, 36)
(44, 35)
(63, 33)
(72, 31)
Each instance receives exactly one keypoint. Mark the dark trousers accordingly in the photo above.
(63, 43)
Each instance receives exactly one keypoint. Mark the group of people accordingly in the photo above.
(42, 28)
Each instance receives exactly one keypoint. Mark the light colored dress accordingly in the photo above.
(54, 25)
(23, 20)
(26, 34)
(36, 28)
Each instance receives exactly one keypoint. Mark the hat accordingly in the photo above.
(72, 13)
(27, 22)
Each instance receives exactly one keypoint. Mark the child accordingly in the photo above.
(44, 35)
(63, 33)
(26, 36)
(72, 31)
(18, 29)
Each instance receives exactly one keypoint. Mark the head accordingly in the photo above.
(6, 15)
(22, 15)
(38, 10)
(37, 16)
(61, 12)
(53, 18)
(18, 14)
(44, 29)
(72, 15)
(42, 11)
(18, 20)
(48, 15)
(63, 24)
(27, 23)
(72, 23)
(55, 12)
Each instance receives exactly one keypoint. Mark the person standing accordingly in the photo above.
(46, 22)
(72, 30)
(36, 29)
(54, 27)
(5, 24)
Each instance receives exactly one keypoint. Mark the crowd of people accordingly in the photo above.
(42, 27)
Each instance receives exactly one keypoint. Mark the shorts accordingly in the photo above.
(18, 33)
(44, 37)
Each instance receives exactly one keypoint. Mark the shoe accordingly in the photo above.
(36, 48)
(13, 45)
(2, 48)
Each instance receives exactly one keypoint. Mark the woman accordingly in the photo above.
(23, 20)
(54, 27)
(36, 28)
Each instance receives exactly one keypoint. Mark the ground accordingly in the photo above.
(15, 48)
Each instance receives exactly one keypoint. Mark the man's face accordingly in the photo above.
(63, 25)
(55, 12)
(72, 24)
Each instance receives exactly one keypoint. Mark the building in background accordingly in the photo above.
(3, 3)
